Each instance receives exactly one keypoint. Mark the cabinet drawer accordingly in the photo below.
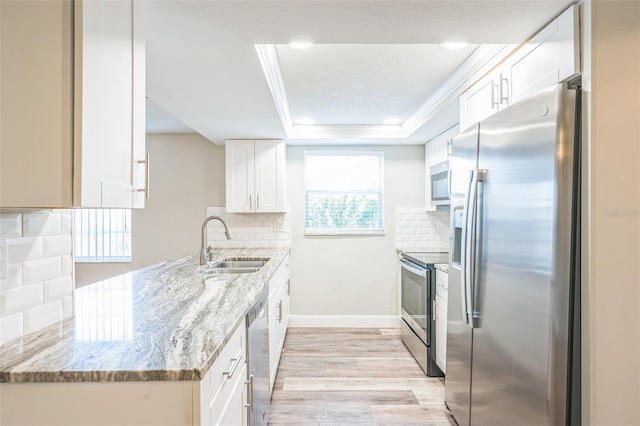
(219, 382)
(278, 280)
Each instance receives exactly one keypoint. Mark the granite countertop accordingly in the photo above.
(162, 322)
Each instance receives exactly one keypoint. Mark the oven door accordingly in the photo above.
(414, 293)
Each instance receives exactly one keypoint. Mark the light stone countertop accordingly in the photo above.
(162, 322)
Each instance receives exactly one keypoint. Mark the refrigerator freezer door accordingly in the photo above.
(459, 333)
(518, 348)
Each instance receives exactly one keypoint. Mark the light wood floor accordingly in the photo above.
(353, 376)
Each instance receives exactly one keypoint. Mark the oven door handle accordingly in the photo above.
(409, 267)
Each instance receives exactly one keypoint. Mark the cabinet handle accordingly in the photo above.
(236, 362)
(280, 311)
(250, 203)
(257, 202)
(494, 101)
(249, 384)
(504, 94)
(146, 163)
(288, 286)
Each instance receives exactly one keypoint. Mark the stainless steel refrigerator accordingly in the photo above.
(513, 305)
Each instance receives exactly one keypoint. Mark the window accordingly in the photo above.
(102, 235)
(344, 192)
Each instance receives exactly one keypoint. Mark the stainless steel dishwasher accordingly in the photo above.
(258, 398)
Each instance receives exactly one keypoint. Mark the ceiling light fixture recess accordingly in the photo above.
(453, 45)
(391, 120)
(300, 45)
(305, 121)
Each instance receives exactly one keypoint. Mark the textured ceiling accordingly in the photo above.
(363, 83)
(202, 66)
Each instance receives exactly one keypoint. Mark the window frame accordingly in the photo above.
(322, 232)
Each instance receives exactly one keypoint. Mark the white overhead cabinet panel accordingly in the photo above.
(551, 56)
(255, 174)
(72, 104)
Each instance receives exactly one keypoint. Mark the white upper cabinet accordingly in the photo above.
(551, 56)
(255, 174)
(73, 118)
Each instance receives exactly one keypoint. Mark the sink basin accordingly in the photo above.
(240, 263)
(219, 270)
(232, 265)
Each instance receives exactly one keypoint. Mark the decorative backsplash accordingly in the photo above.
(418, 230)
(37, 282)
(249, 230)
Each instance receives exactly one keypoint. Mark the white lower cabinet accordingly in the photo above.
(442, 280)
(223, 391)
(218, 399)
(279, 295)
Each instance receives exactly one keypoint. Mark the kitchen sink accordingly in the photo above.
(240, 263)
(232, 265)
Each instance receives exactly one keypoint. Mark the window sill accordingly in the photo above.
(345, 233)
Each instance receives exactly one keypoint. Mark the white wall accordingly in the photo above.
(187, 174)
(612, 275)
(348, 276)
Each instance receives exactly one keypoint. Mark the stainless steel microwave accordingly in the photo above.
(441, 184)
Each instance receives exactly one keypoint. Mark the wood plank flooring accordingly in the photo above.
(365, 377)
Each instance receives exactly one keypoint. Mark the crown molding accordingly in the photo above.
(479, 63)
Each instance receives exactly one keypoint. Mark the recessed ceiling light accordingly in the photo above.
(391, 120)
(453, 45)
(305, 121)
(300, 45)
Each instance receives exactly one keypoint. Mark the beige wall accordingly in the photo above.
(351, 275)
(187, 176)
(612, 83)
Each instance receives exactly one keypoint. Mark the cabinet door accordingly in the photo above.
(36, 106)
(549, 57)
(480, 101)
(429, 160)
(104, 109)
(274, 339)
(239, 156)
(441, 333)
(269, 176)
(234, 412)
(141, 171)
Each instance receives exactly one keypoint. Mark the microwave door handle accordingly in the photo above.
(413, 269)
(464, 259)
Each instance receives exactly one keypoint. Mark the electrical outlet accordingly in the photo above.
(278, 225)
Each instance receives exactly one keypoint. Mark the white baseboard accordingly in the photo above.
(346, 321)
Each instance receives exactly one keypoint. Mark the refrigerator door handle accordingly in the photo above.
(466, 249)
(475, 252)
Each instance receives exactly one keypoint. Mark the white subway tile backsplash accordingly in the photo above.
(41, 270)
(422, 231)
(58, 288)
(57, 245)
(43, 315)
(10, 225)
(67, 265)
(10, 327)
(13, 278)
(41, 223)
(67, 306)
(249, 230)
(38, 287)
(20, 299)
(23, 249)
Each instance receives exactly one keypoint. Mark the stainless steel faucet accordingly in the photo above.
(203, 241)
